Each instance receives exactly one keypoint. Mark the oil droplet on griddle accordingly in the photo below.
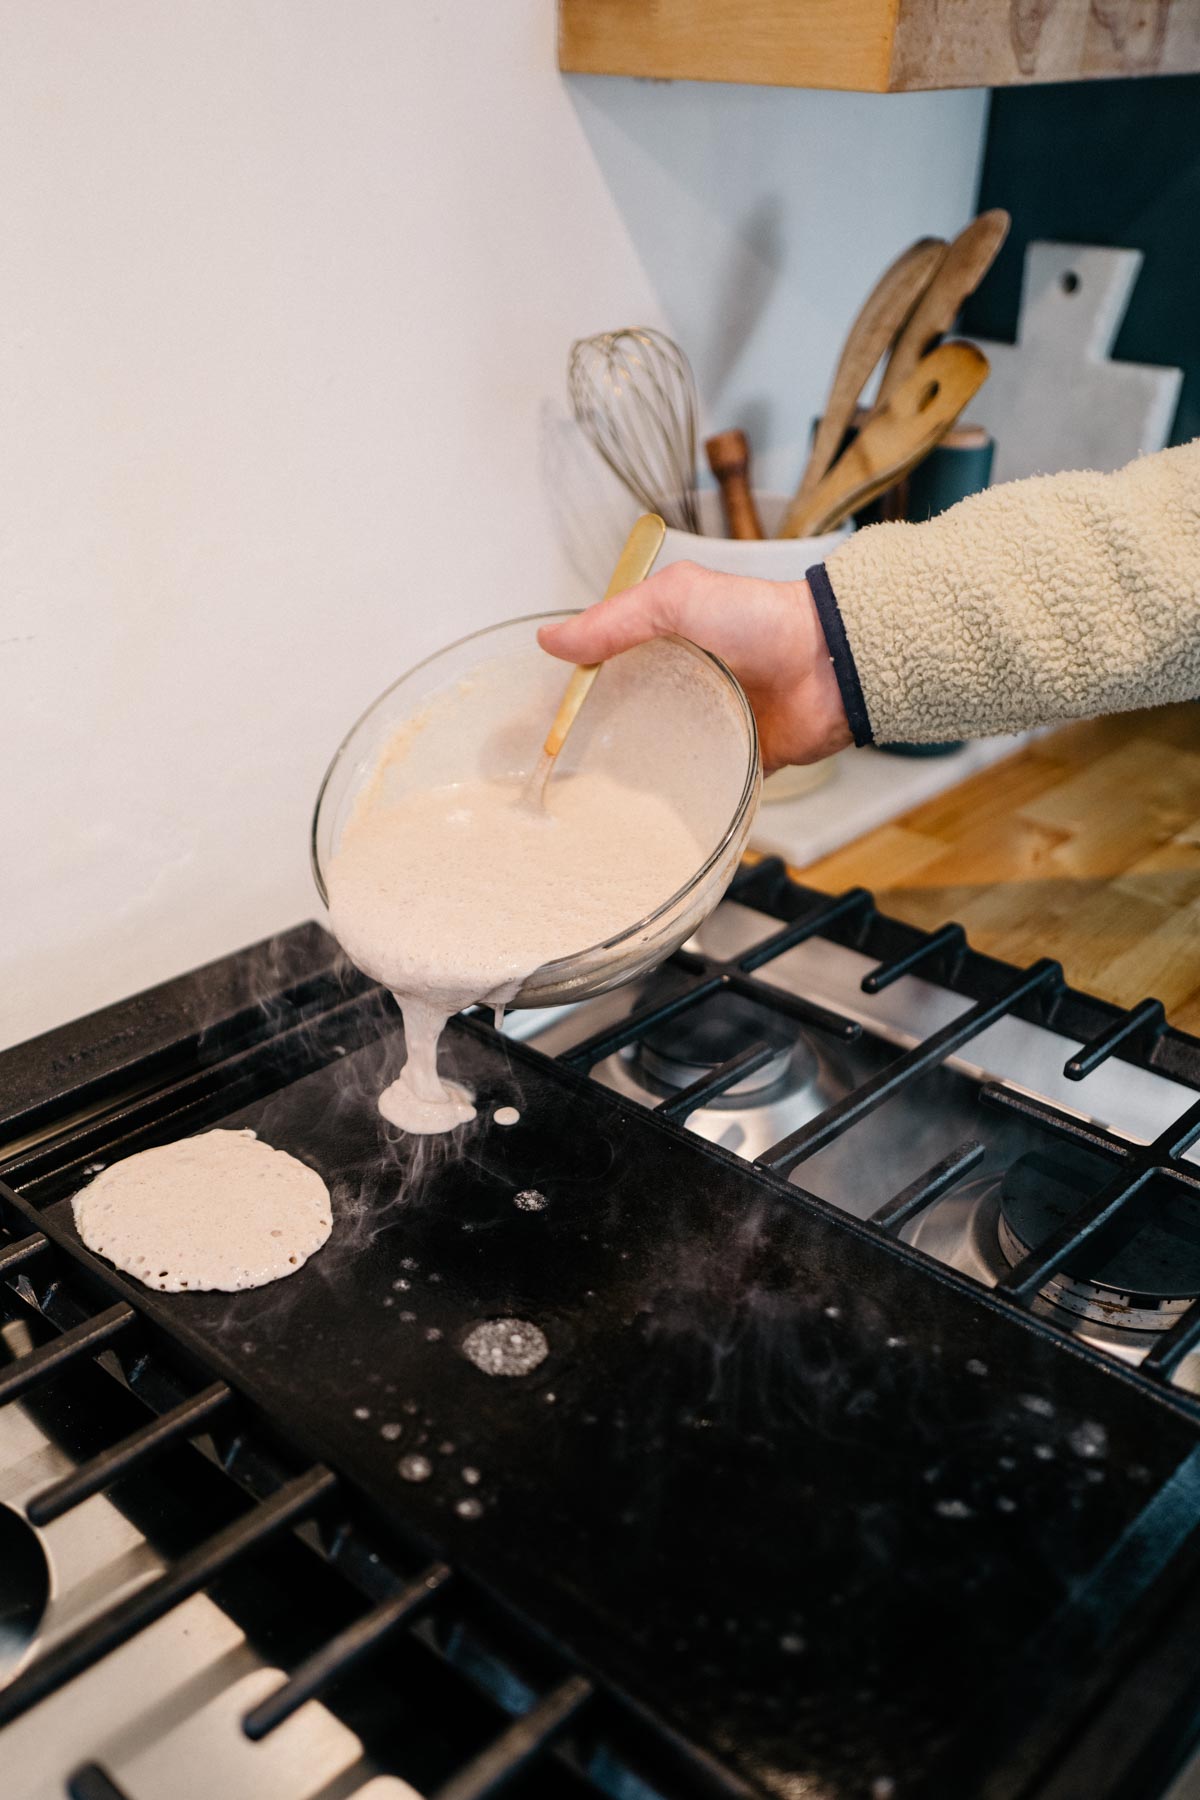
(469, 1508)
(1089, 1439)
(390, 1432)
(415, 1468)
(506, 1347)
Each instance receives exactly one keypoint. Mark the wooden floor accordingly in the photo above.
(1084, 846)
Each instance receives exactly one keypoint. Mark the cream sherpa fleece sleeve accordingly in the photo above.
(1055, 598)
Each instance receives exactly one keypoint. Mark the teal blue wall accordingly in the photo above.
(1109, 162)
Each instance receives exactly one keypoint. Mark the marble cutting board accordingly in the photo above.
(1054, 399)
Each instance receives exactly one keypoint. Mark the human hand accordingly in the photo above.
(767, 631)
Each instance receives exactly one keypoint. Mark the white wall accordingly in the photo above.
(287, 290)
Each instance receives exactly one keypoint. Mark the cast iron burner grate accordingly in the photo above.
(1141, 1273)
(691, 1046)
(788, 1508)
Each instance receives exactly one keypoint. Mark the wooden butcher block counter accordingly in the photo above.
(1084, 846)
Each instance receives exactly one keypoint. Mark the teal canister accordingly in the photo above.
(960, 465)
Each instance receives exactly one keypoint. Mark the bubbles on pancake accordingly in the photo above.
(220, 1210)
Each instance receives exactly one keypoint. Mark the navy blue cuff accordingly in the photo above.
(840, 654)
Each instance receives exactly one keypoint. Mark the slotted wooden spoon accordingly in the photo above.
(966, 262)
(894, 438)
(880, 319)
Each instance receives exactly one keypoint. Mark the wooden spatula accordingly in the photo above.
(894, 438)
(963, 267)
(633, 565)
(880, 319)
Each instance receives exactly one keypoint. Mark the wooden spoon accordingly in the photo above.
(633, 565)
(964, 266)
(879, 320)
(894, 438)
(729, 459)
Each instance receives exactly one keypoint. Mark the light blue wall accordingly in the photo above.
(761, 217)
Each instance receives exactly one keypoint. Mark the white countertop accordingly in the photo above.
(867, 788)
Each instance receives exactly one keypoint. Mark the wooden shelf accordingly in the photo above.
(879, 46)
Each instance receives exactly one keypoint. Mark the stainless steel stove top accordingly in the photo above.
(856, 1173)
(164, 1713)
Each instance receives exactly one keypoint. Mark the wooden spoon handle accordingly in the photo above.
(633, 565)
(729, 459)
(966, 263)
(894, 438)
(879, 319)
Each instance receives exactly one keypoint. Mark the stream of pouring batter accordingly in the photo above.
(456, 894)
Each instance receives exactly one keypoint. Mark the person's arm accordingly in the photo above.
(1055, 598)
(1039, 601)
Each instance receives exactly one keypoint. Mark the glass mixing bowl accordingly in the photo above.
(665, 716)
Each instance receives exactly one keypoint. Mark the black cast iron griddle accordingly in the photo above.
(803, 1495)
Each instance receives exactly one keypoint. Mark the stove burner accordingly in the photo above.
(689, 1046)
(1140, 1276)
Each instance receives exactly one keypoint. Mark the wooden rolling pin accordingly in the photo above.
(729, 459)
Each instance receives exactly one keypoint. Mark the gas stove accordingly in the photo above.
(864, 1460)
(1029, 1174)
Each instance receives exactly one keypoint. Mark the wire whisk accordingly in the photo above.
(633, 393)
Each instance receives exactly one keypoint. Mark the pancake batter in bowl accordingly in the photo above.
(454, 895)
